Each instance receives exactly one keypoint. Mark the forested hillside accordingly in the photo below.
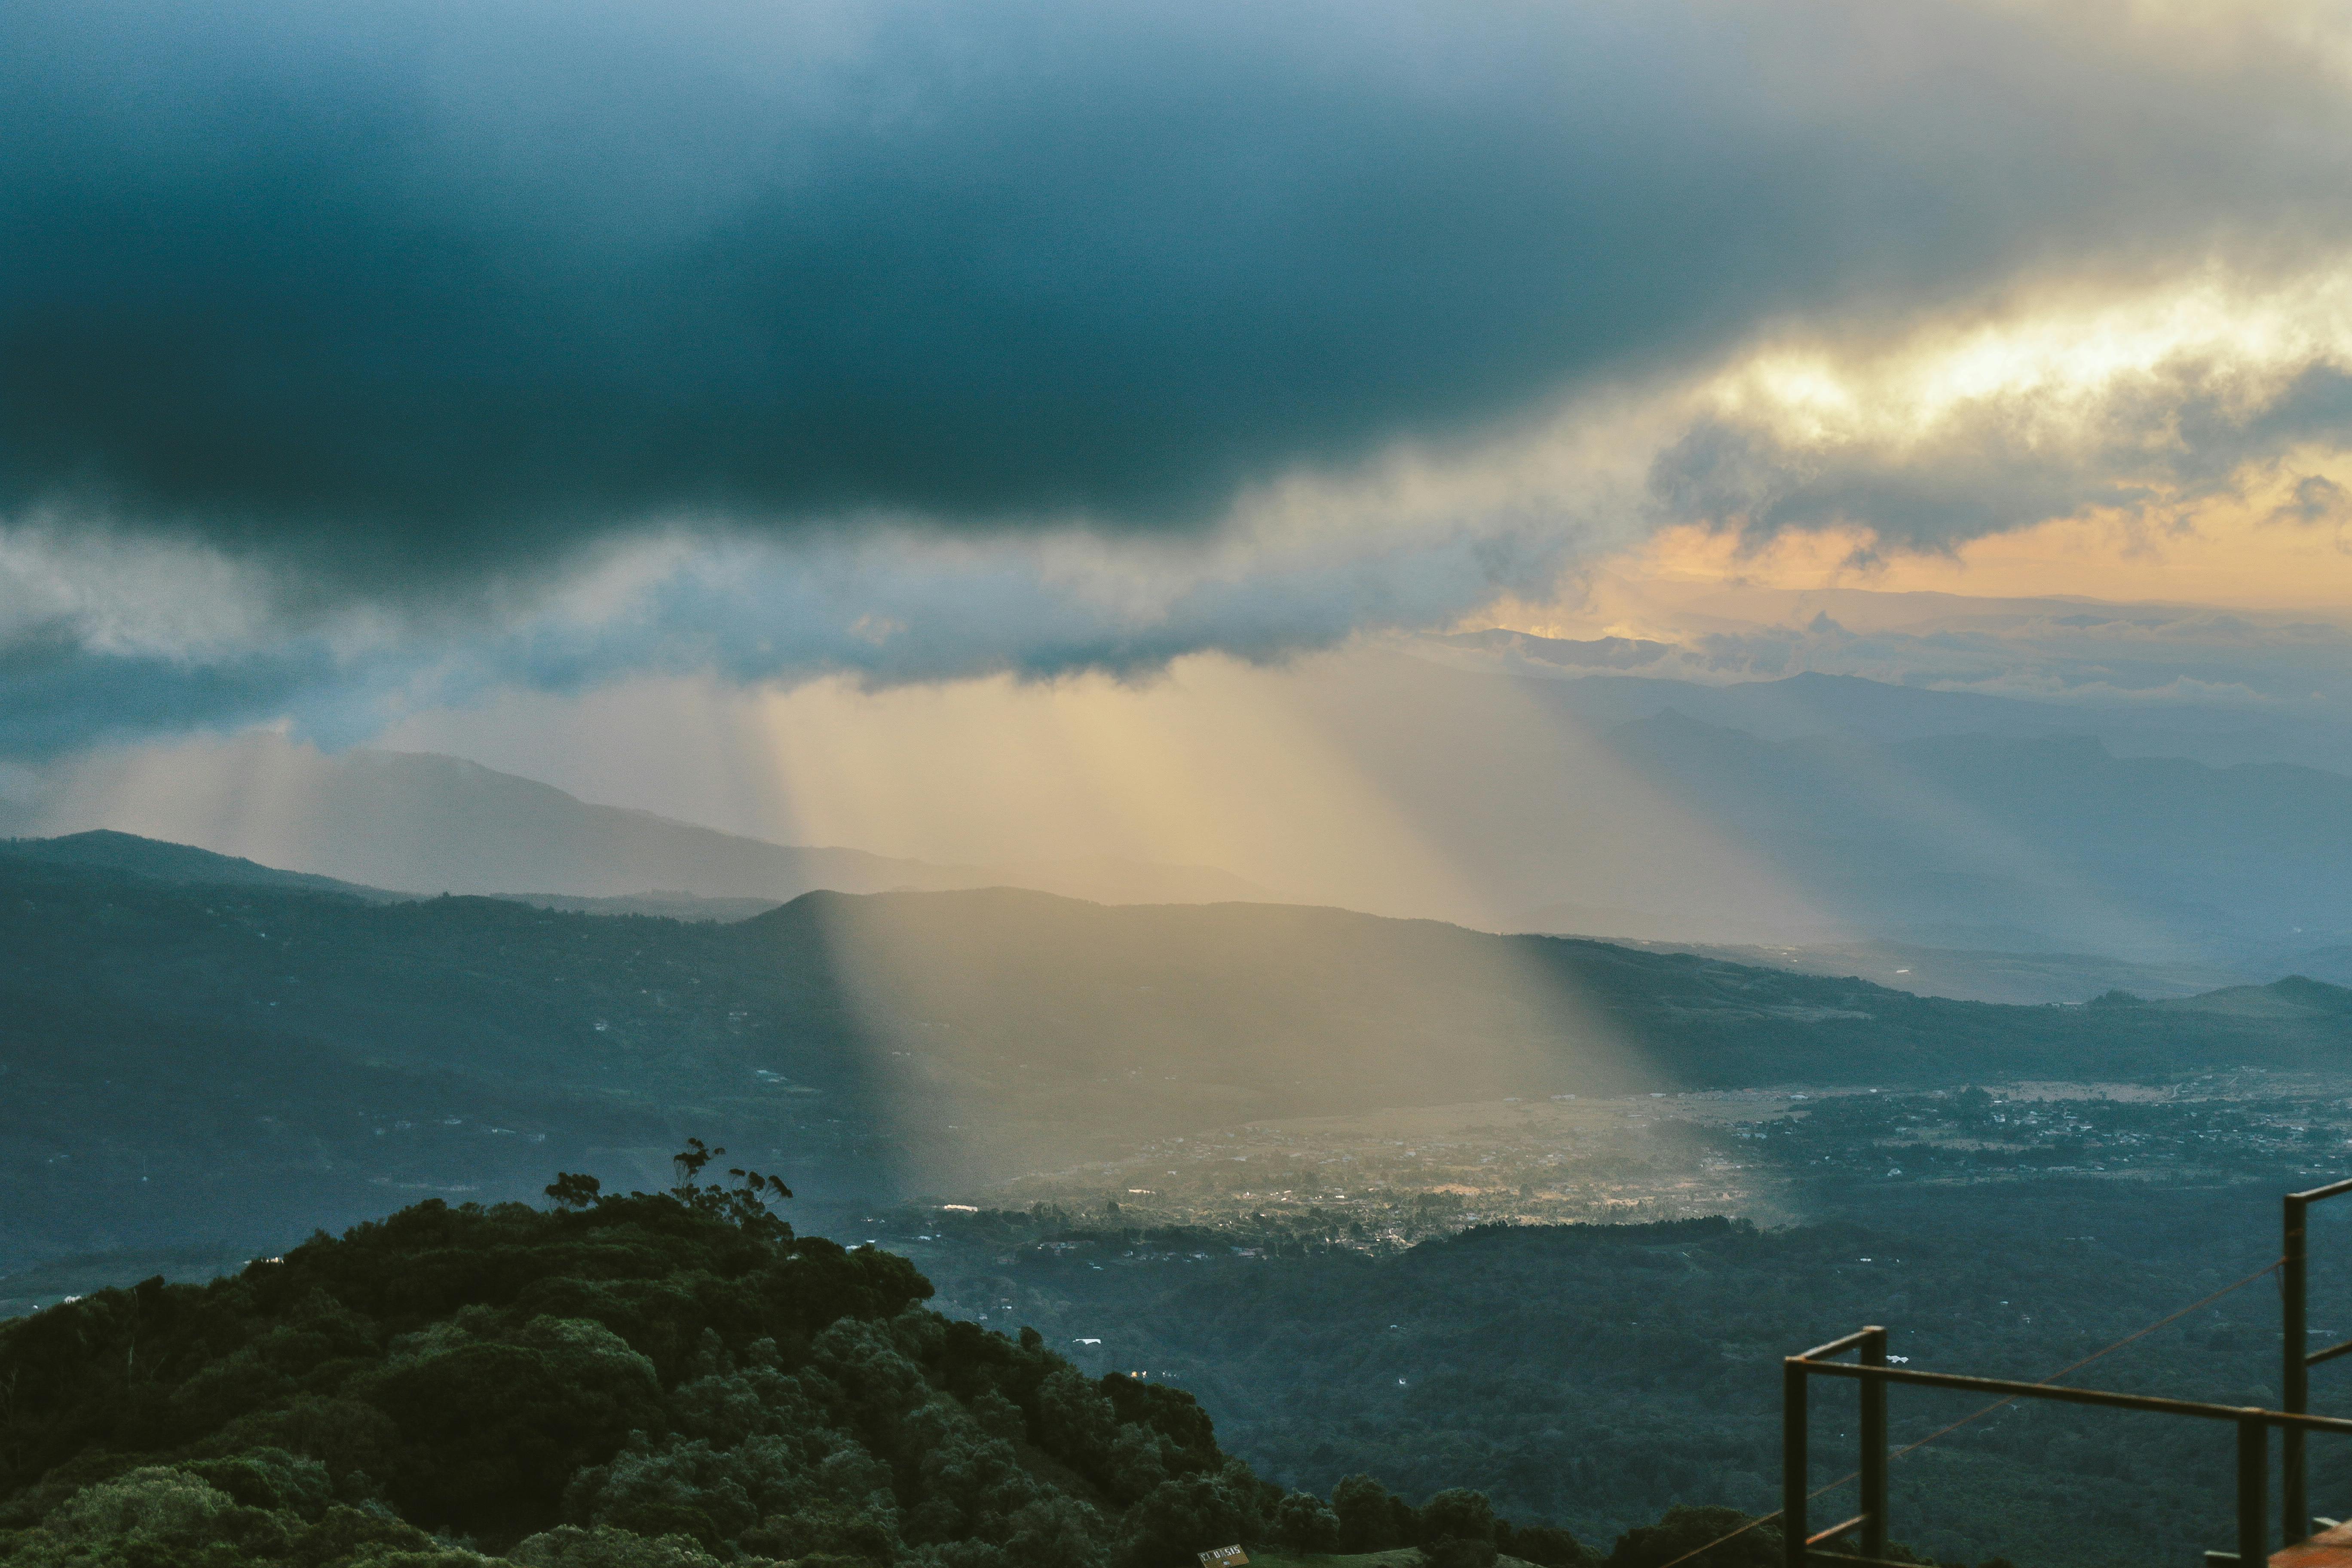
(665, 1380)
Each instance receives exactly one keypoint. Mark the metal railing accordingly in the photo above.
(1802, 1550)
(2294, 1337)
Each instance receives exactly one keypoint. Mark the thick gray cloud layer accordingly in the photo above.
(398, 291)
(887, 612)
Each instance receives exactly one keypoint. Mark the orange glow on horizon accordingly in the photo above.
(2232, 559)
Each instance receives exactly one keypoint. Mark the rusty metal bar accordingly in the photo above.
(1837, 1347)
(2294, 1387)
(1792, 1461)
(2332, 1190)
(1834, 1530)
(1874, 1447)
(2330, 1354)
(2253, 1490)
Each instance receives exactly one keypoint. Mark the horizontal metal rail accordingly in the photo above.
(1854, 1341)
(2333, 1189)
(2287, 1419)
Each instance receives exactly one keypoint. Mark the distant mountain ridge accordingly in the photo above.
(2025, 979)
(1669, 819)
(1512, 796)
(1600, 681)
(423, 823)
(2149, 859)
(185, 1063)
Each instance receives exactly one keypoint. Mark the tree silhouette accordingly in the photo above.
(758, 1184)
(574, 1191)
(746, 1205)
(690, 1162)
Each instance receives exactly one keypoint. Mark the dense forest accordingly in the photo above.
(649, 1381)
(1596, 1375)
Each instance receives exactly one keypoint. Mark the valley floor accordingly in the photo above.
(1397, 1176)
(1396, 1292)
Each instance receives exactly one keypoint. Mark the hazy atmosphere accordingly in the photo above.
(1366, 744)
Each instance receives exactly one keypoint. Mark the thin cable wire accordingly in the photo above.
(2068, 1372)
(1945, 1431)
(1759, 1519)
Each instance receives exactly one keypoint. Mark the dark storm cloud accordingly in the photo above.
(401, 290)
(57, 694)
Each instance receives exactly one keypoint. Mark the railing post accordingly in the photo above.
(1792, 1462)
(2294, 1381)
(1873, 1446)
(2253, 1492)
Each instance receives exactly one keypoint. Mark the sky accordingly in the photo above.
(724, 407)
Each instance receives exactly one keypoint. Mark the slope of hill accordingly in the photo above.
(2298, 997)
(435, 823)
(2330, 963)
(105, 849)
(659, 903)
(183, 1065)
(2025, 979)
